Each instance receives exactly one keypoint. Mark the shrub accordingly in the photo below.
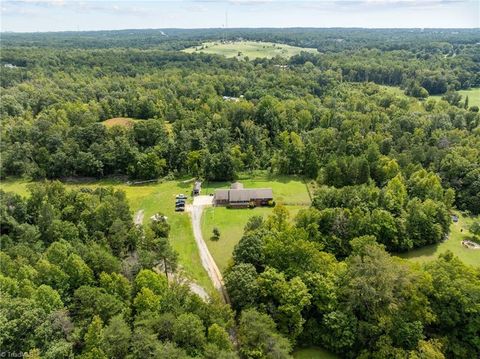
(216, 234)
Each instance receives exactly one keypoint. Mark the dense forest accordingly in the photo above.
(370, 305)
(78, 278)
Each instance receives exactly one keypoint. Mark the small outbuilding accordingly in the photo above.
(197, 187)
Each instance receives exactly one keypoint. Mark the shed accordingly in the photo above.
(197, 187)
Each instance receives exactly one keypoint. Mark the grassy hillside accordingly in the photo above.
(252, 49)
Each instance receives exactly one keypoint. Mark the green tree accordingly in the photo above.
(456, 315)
(148, 166)
(258, 337)
(218, 336)
(285, 299)
(241, 285)
(47, 298)
(116, 338)
(339, 332)
(250, 250)
(394, 195)
(189, 333)
(94, 338)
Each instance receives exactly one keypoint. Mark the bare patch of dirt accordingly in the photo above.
(138, 219)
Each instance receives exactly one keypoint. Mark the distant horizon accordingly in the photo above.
(34, 16)
(239, 28)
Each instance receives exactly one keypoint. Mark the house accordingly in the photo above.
(197, 187)
(238, 196)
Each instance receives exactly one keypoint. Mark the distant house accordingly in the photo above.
(238, 196)
(231, 98)
(197, 187)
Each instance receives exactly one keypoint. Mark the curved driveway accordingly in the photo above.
(199, 202)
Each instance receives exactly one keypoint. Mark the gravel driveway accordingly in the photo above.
(208, 262)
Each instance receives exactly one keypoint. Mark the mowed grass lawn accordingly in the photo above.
(473, 96)
(152, 198)
(458, 232)
(252, 49)
(288, 190)
(313, 353)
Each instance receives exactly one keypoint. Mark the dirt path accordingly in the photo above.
(138, 219)
(208, 262)
(199, 290)
(179, 277)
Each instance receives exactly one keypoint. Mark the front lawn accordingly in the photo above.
(288, 190)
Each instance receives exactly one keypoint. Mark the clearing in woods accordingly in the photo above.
(119, 121)
(250, 49)
(473, 96)
(458, 232)
(313, 353)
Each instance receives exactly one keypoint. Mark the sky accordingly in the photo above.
(71, 15)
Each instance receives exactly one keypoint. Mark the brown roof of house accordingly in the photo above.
(248, 194)
(243, 195)
(237, 185)
(221, 194)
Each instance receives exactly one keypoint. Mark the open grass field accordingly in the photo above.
(288, 190)
(458, 232)
(313, 353)
(473, 96)
(18, 186)
(119, 121)
(153, 198)
(250, 49)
